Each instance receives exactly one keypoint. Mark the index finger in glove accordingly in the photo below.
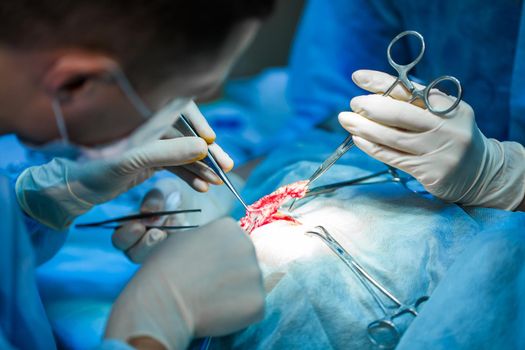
(203, 171)
(203, 129)
(221, 156)
(391, 112)
(368, 129)
(379, 82)
(164, 153)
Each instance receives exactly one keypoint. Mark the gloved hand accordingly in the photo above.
(204, 282)
(171, 194)
(134, 239)
(59, 191)
(447, 154)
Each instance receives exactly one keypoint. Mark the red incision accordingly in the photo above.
(265, 210)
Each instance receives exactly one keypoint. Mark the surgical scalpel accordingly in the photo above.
(382, 332)
(187, 129)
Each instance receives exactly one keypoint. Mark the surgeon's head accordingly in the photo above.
(74, 51)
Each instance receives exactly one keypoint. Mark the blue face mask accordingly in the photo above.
(154, 127)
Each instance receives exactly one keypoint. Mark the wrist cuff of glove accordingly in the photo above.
(501, 183)
(43, 194)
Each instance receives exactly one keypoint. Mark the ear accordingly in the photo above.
(73, 72)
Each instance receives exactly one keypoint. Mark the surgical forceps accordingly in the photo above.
(319, 190)
(395, 177)
(402, 77)
(382, 332)
(187, 129)
(363, 180)
(140, 216)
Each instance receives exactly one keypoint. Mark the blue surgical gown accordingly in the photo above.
(482, 43)
(23, 321)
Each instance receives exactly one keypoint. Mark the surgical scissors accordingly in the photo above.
(187, 129)
(140, 216)
(402, 77)
(382, 332)
(424, 93)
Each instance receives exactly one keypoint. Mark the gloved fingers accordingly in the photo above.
(172, 133)
(128, 235)
(190, 178)
(379, 82)
(204, 172)
(140, 250)
(394, 138)
(384, 154)
(200, 123)
(163, 153)
(221, 156)
(224, 160)
(391, 112)
(440, 101)
(152, 201)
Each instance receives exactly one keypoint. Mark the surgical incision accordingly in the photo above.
(266, 209)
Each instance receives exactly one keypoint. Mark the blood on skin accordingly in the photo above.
(266, 209)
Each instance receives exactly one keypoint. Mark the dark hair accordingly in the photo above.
(129, 29)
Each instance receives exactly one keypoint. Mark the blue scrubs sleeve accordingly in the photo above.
(517, 96)
(23, 322)
(336, 38)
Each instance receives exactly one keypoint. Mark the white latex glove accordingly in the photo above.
(59, 191)
(447, 154)
(171, 194)
(204, 282)
(191, 173)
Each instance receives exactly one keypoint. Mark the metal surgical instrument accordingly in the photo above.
(424, 93)
(363, 180)
(395, 177)
(316, 191)
(328, 163)
(382, 332)
(107, 224)
(402, 77)
(187, 129)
